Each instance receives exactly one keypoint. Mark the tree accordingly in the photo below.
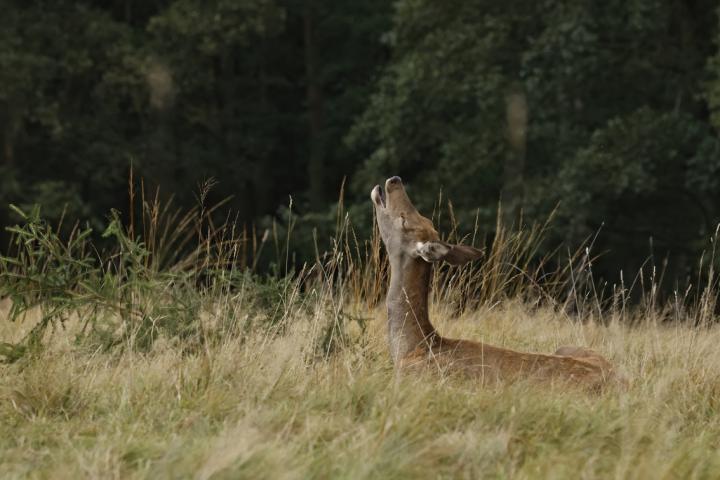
(614, 92)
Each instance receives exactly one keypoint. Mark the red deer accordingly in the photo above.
(413, 247)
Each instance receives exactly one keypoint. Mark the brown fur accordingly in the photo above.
(413, 245)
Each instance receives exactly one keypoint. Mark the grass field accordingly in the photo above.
(134, 364)
(266, 406)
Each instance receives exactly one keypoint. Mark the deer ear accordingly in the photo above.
(453, 254)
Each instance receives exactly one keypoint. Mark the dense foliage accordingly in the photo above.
(606, 111)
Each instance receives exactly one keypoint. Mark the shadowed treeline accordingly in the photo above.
(602, 113)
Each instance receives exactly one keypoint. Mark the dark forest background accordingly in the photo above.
(606, 113)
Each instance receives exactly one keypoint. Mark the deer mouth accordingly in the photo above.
(378, 196)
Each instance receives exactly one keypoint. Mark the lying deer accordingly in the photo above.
(413, 246)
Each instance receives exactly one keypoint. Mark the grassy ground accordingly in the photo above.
(267, 405)
(179, 361)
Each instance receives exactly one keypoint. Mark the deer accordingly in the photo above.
(413, 247)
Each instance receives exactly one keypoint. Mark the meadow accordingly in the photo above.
(137, 362)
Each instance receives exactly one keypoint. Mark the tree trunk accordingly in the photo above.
(316, 167)
(8, 128)
(263, 183)
(158, 169)
(231, 133)
(128, 11)
(8, 148)
(512, 194)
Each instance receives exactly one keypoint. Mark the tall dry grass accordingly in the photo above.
(169, 356)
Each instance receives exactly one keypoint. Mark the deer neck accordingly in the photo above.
(409, 325)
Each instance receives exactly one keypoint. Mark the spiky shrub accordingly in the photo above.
(179, 276)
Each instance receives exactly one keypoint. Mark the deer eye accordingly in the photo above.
(403, 221)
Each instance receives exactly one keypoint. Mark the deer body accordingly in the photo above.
(413, 246)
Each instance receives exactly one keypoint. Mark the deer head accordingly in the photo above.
(407, 234)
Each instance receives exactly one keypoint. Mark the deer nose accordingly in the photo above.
(394, 180)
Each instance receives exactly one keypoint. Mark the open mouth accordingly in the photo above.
(378, 195)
